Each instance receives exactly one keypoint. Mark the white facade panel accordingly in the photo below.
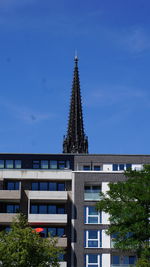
(107, 167)
(105, 240)
(106, 260)
(47, 218)
(36, 174)
(47, 195)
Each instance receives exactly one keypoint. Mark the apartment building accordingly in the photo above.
(58, 192)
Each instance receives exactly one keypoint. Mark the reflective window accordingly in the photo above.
(12, 208)
(121, 167)
(93, 260)
(91, 215)
(34, 186)
(60, 210)
(44, 164)
(61, 187)
(86, 167)
(43, 209)
(92, 239)
(92, 192)
(52, 209)
(34, 209)
(97, 168)
(9, 164)
(53, 164)
(36, 164)
(61, 164)
(52, 186)
(60, 231)
(43, 186)
(12, 185)
(1, 164)
(17, 164)
(52, 231)
(123, 260)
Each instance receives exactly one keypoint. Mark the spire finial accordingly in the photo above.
(76, 56)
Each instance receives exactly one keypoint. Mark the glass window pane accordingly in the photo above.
(115, 259)
(43, 209)
(92, 258)
(93, 234)
(10, 186)
(87, 189)
(52, 231)
(43, 186)
(1, 164)
(53, 164)
(97, 168)
(34, 209)
(92, 219)
(16, 208)
(60, 232)
(93, 244)
(61, 187)
(44, 164)
(34, 186)
(51, 209)
(36, 164)
(96, 189)
(44, 232)
(9, 208)
(60, 210)
(128, 166)
(61, 164)
(68, 164)
(17, 164)
(132, 259)
(121, 167)
(93, 211)
(86, 167)
(9, 164)
(115, 167)
(52, 186)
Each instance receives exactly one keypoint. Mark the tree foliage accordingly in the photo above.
(128, 205)
(22, 247)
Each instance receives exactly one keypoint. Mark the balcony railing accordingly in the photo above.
(10, 194)
(47, 218)
(91, 196)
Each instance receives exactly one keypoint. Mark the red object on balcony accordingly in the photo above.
(39, 230)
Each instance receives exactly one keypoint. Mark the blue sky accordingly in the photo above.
(37, 44)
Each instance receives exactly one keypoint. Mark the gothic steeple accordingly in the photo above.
(75, 141)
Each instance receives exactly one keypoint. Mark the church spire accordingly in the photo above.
(75, 141)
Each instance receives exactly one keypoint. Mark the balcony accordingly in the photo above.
(48, 195)
(7, 217)
(91, 196)
(63, 264)
(62, 242)
(9, 195)
(48, 218)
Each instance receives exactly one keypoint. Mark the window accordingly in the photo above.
(12, 208)
(121, 167)
(9, 164)
(52, 231)
(61, 165)
(53, 164)
(44, 164)
(91, 215)
(97, 168)
(1, 164)
(92, 192)
(93, 260)
(48, 186)
(17, 164)
(12, 185)
(86, 168)
(47, 209)
(36, 164)
(124, 260)
(92, 239)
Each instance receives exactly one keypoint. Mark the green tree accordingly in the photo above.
(22, 247)
(128, 205)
